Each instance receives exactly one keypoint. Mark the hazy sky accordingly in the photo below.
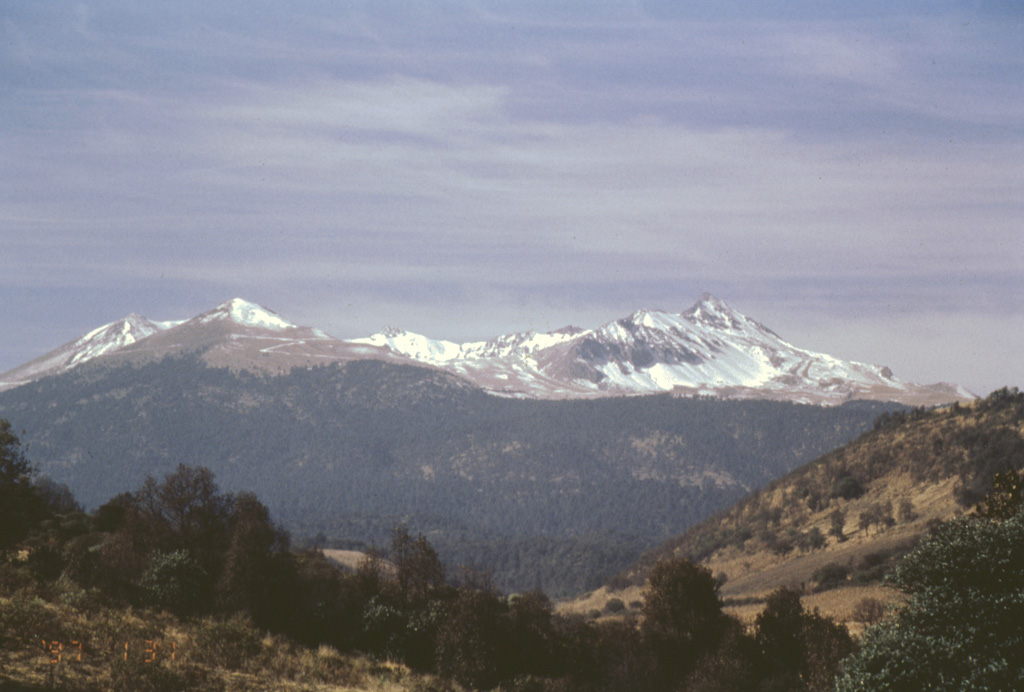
(851, 174)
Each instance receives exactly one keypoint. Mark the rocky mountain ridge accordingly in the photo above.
(709, 350)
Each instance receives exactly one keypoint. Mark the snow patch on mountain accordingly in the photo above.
(247, 314)
(441, 352)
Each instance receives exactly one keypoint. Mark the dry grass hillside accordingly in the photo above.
(835, 525)
(77, 645)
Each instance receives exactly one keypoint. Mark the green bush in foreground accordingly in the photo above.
(963, 627)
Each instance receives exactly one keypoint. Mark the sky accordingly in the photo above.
(849, 174)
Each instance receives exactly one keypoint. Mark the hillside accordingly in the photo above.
(834, 525)
(350, 450)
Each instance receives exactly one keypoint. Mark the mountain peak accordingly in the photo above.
(392, 332)
(243, 312)
(709, 304)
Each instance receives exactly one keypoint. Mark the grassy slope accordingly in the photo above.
(208, 654)
(921, 458)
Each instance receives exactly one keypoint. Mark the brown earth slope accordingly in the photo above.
(833, 526)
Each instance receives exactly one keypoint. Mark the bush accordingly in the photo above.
(614, 605)
(847, 487)
(25, 619)
(963, 626)
(228, 643)
(175, 582)
(831, 575)
(868, 611)
(814, 539)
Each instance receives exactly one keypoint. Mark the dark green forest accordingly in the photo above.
(345, 452)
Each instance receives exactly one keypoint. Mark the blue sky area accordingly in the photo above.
(849, 174)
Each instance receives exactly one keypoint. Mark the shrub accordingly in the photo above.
(831, 575)
(847, 487)
(614, 605)
(227, 643)
(837, 521)
(814, 539)
(868, 611)
(26, 620)
(175, 582)
(963, 626)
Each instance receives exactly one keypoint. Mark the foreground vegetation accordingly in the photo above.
(178, 586)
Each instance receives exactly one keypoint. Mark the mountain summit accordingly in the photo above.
(708, 350)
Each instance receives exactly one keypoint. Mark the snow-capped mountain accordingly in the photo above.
(109, 338)
(710, 349)
(236, 333)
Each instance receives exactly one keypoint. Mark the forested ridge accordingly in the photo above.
(348, 451)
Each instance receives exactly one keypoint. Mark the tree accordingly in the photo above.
(907, 513)
(469, 640)
(779, 629)
(186, 511)
(531, 634)
(249, 569)
(173, 581)
(418, 569)
(814, 539)
(21, 507)
(682, 615)
(799, 650)
(1005, 499)
(865, 519)
(962, 627)
(837, 520)
(57, 497)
